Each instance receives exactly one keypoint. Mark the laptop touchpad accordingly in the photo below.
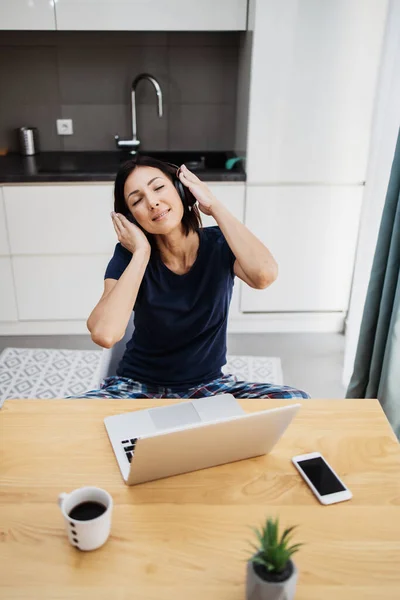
(176, 415)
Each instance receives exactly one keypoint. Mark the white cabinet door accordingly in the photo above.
(60, 219)
(4, 247)
(49, 288)
(8, 305)
(27, 14)
(312, 233)
(313, 81)
(232, 195)
(152, 15)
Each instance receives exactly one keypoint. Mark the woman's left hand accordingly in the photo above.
(207, 201)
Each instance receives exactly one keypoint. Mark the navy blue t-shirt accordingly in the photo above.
(180, 321)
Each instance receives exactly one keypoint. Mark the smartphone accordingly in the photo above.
(321, 478)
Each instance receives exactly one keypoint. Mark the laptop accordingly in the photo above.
(164, 441)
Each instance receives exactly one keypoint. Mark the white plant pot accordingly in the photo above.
(260, 589)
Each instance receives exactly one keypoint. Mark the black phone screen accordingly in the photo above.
(321, 476)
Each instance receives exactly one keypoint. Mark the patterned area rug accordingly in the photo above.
(48, 373)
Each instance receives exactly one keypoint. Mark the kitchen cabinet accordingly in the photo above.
(61, 239)
(56, 240)
(152, 15)
(26, 14)
(51, 288)
(4, 246)
(232, 196)
(8, 305)
(75, 219)
(312, 233)
(60, 219)
(314, 71)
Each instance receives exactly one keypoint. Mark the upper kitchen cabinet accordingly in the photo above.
(27, 14)
(314, 75)
(152, 15)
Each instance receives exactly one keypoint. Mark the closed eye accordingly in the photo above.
(155, 189)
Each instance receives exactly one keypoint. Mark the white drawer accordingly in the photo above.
(58, 287)
(60, 219)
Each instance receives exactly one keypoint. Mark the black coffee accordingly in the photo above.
(86, 511)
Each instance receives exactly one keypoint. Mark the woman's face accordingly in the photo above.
(153, 200)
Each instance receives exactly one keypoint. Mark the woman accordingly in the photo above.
(178, 279)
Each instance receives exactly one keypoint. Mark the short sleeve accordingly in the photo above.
(231, 258)
(228, 256)
(118, 263)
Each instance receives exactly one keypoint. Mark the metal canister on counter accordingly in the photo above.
(28, 140)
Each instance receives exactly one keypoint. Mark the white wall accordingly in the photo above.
(384, 136)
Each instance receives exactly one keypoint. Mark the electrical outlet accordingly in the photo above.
(64, 127)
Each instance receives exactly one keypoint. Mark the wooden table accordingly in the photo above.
(187, 537)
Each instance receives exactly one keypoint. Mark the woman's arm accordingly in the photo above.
(254, 263)
(108, 320)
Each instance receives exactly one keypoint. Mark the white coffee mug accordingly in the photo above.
(90, 533)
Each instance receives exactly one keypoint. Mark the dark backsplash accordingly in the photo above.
(86, 77)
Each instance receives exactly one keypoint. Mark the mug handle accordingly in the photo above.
(61, 498)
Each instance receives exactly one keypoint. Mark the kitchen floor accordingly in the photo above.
(310, 361)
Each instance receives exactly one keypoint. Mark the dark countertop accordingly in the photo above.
(103, 166)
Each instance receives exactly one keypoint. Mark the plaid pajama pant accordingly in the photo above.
(122, 387)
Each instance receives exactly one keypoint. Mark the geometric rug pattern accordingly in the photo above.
(259, 369)
(54, 373)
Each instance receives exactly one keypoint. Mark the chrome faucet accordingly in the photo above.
(134, 142)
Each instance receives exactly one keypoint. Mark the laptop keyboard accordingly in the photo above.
(129, 448)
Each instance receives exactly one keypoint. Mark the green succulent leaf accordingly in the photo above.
(273, 553)
(257, 560)
(272, 532)
(294, 548)
(259, 536)
(286, 533)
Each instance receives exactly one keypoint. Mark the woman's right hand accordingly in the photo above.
(131, 236)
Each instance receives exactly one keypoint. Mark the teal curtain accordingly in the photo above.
(377, 363)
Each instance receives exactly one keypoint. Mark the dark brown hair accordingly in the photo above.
(191, 219)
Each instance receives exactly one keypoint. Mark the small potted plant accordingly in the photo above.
(271, 574)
